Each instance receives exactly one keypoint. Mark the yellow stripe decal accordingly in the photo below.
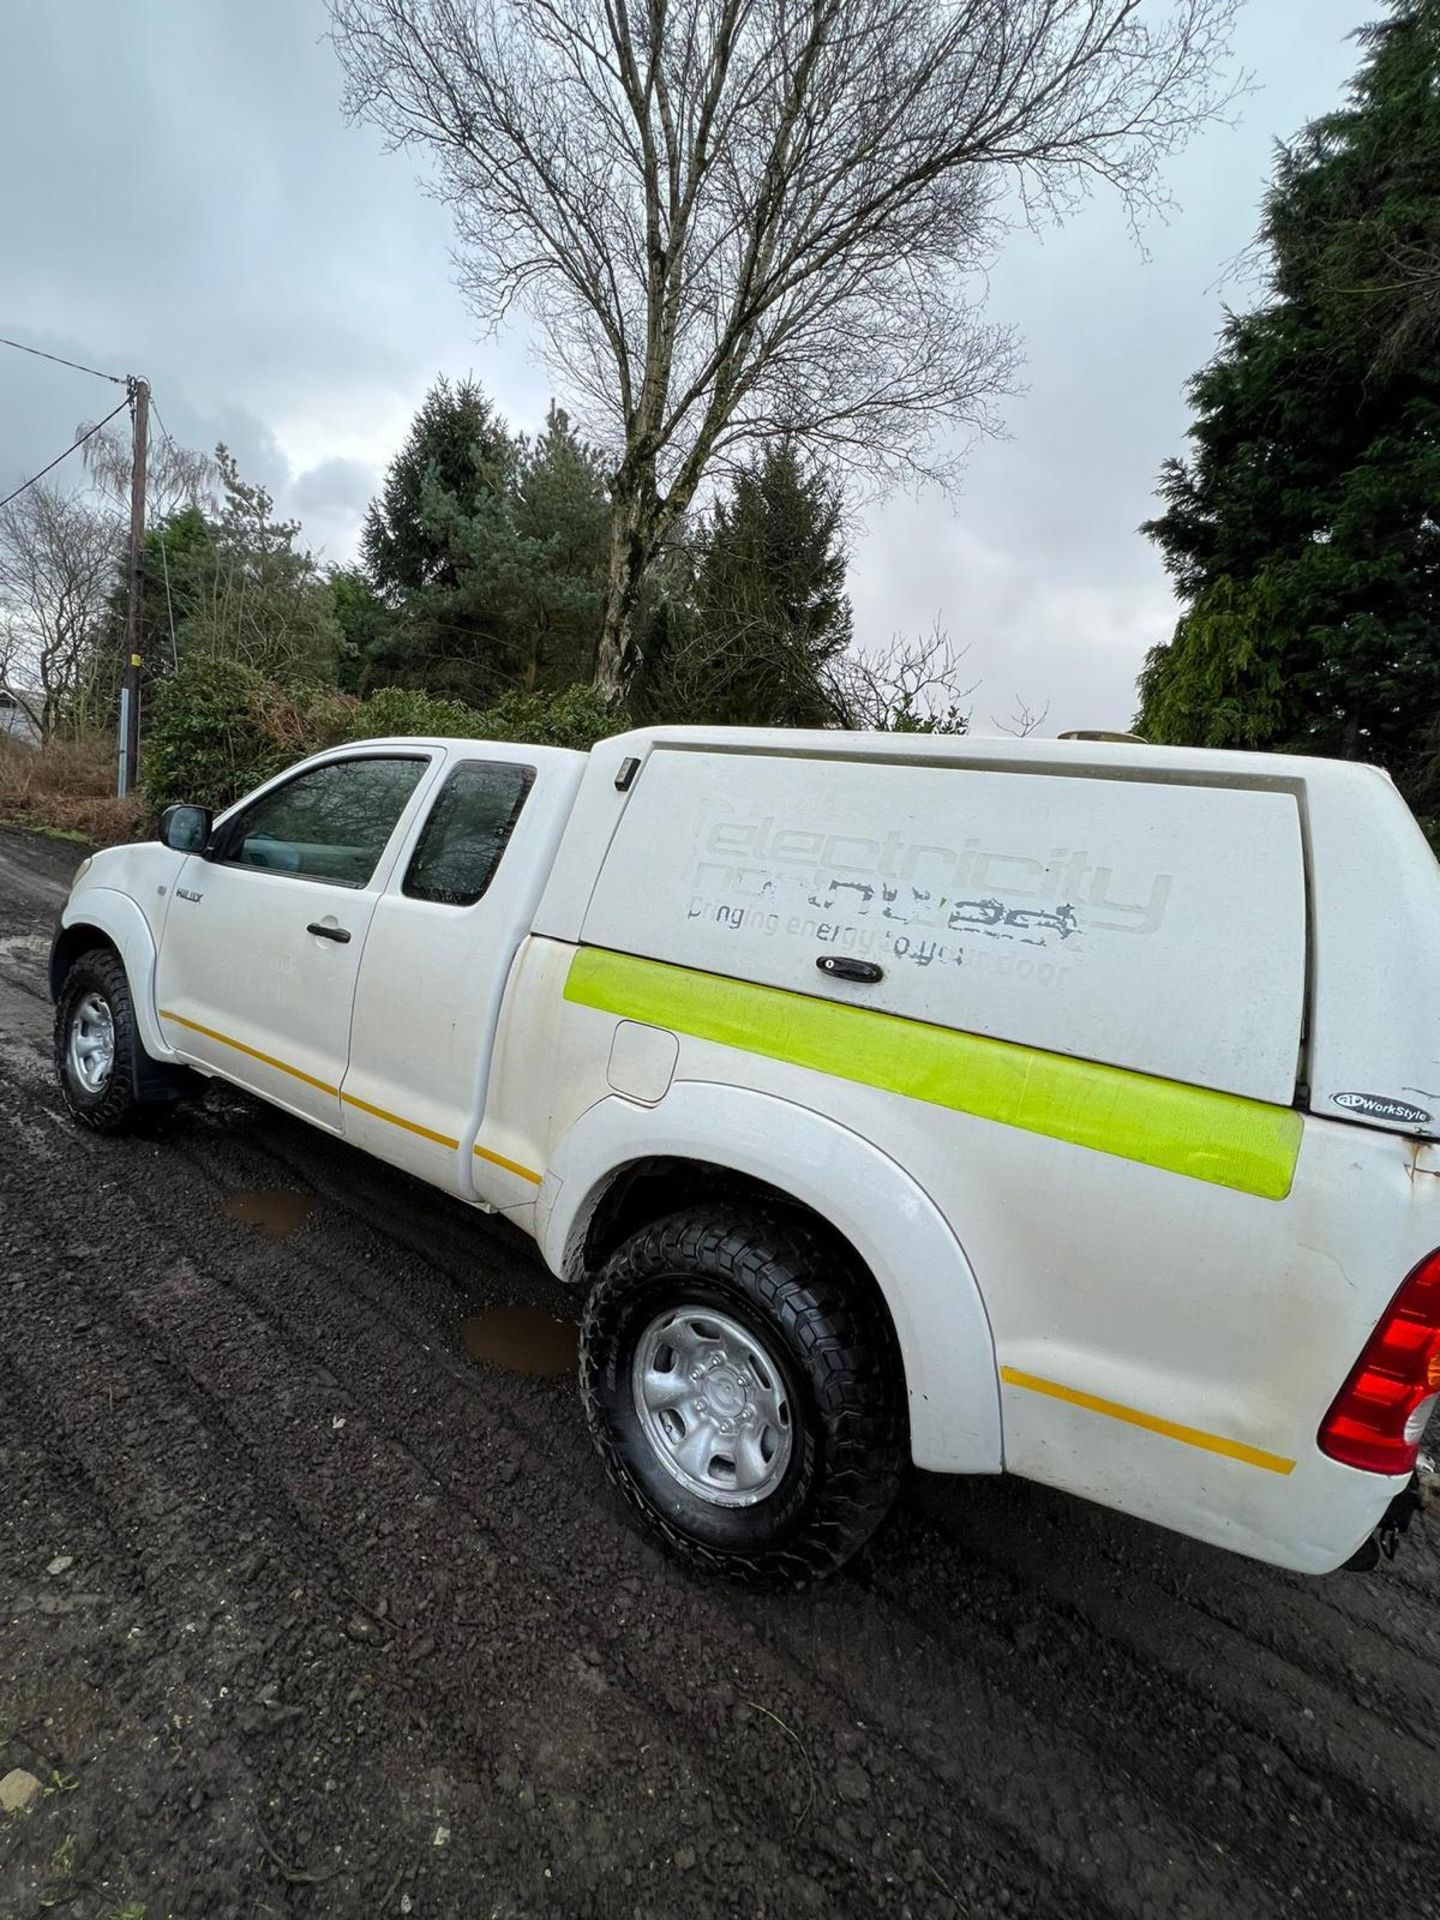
(1219, 1137)
(510, 1166)
(350, 1099)
(253, 1053)
(1172, 1430)
(410, 1126)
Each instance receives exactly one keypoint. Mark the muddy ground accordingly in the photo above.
(305, 1610)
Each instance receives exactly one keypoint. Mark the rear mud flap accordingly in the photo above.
(1421, 1495)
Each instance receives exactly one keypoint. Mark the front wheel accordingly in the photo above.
(97, 1045)
(742, 1385)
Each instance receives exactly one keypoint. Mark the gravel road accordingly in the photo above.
(304, 1610)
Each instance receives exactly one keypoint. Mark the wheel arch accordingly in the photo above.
(68, 945)
(622, 1163)
(101, 917)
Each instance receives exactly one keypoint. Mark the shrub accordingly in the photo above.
(576, 717)
(219, 728)
(408, 710)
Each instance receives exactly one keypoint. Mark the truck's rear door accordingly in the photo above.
(460, 900)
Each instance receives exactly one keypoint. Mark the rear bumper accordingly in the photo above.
(1308, 1513)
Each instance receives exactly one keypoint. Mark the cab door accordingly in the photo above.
(262, 942)
(446, 929)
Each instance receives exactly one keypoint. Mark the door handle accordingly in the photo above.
(839, 967)
(339, 934)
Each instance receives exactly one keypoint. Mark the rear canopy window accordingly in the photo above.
(1143, 924)
(469, 827)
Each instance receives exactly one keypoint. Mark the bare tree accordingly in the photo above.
(18, 693)
(58, 555)
(910, 686)
(733, 218)
(1024, 719)
(175, 477)
(751, 665)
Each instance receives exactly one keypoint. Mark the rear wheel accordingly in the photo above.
(97, 1045)
(742, 1386)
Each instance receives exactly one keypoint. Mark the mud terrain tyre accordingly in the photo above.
(97, 1045)
(743, 1386)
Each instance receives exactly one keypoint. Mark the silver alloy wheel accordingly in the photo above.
(92, 1042)
(712, 1404)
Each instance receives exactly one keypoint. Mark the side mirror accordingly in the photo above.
(186, 829)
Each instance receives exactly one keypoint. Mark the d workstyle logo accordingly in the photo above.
(1377, 1106)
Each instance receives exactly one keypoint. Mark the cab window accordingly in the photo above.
(329, 824)
(468, 829)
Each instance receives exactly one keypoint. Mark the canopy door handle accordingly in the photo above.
(840, 967)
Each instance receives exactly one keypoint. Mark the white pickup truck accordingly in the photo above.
(1061, 1108)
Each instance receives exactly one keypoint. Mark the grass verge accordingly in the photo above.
(66, 789)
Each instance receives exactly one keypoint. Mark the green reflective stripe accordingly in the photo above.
(1220, 1137)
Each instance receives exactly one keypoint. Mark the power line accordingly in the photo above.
(40, 354)
(169, 603)
(165, 433)
(164, 549)
(169, 440)
(67, 453)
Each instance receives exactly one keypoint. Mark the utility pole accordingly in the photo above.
(130, 686)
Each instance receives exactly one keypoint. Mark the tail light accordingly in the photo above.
(1380, 1413)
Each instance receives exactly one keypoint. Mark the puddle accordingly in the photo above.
(523, 1339)
(275, 1214)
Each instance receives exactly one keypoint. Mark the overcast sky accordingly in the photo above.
(182, 199)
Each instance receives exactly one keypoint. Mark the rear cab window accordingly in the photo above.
(467, 831)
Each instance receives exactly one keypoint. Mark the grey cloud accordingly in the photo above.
(339, 485)
(331, 499)
(203, 215)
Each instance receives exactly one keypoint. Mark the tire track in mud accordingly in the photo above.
(223, 1542)
(1201, 1647)
(1029, 1810)
(154, 1365)
(1224, 1608)
(1026, 1823)
(44, 1473)
(1120, 1868)
(1273, 1782)
(154, 1312)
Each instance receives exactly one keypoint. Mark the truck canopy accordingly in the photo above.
(1063, 909)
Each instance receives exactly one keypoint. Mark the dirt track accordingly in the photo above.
(352, 1626)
